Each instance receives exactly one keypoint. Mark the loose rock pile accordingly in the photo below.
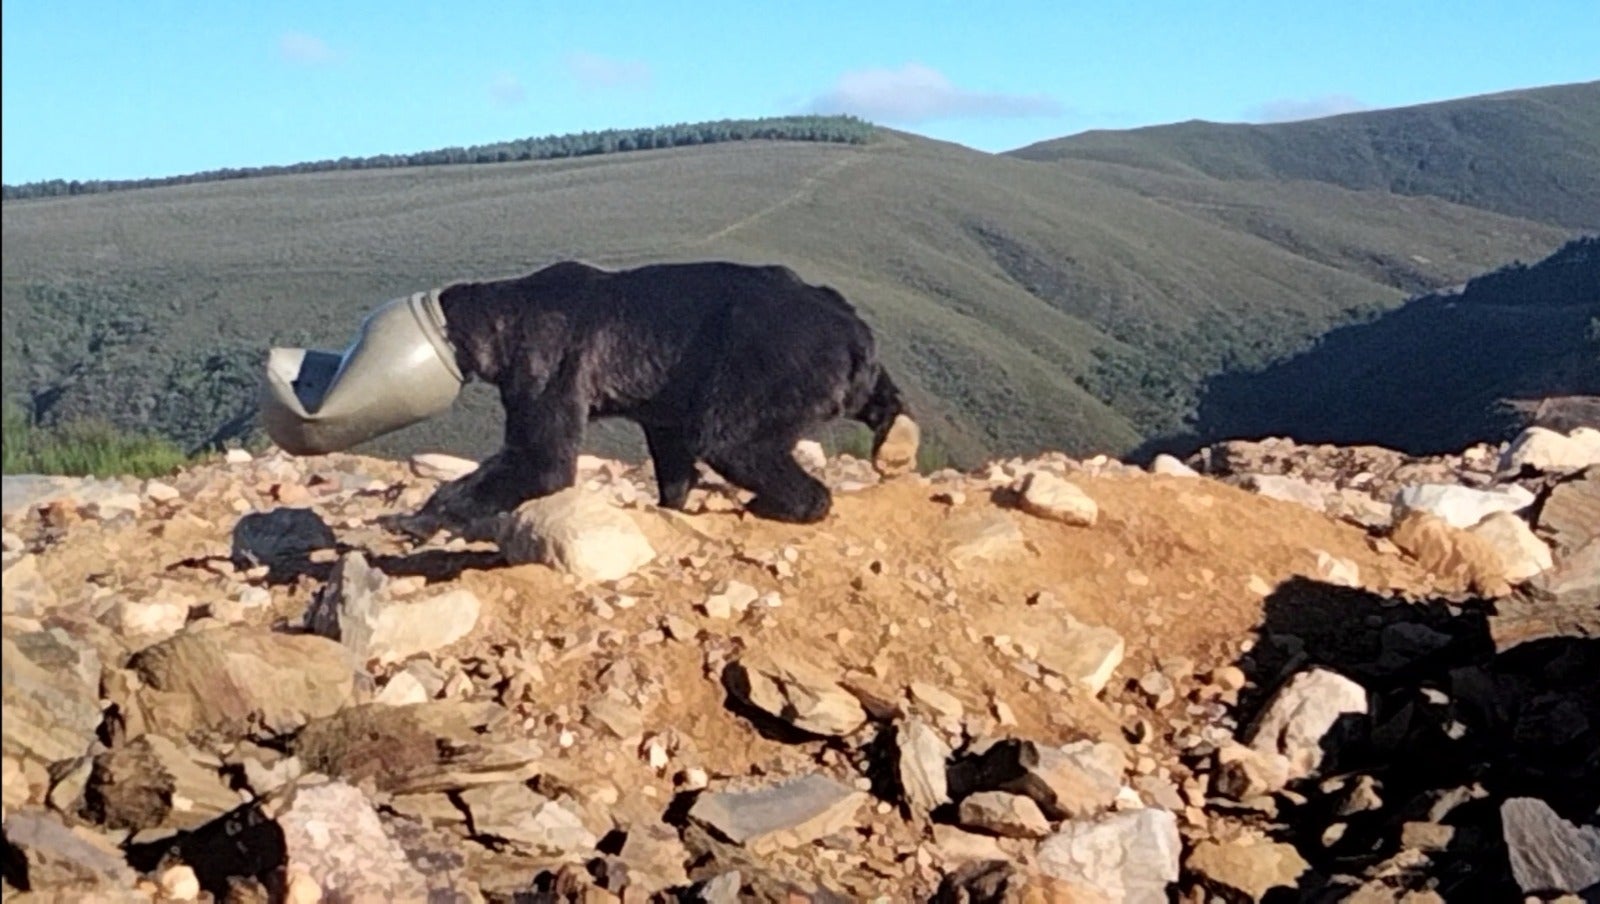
(1321, 673)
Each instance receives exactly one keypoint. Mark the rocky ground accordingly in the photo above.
(1274, 672)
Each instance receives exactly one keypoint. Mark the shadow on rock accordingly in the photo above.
(1409, 793)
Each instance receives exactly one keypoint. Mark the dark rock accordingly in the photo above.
(280, 535)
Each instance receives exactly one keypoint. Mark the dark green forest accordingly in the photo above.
(835, 129)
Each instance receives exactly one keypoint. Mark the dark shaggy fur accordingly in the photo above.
(723, 363)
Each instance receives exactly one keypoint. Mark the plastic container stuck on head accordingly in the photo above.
(401, 369)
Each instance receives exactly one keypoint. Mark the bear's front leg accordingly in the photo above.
(540, 457)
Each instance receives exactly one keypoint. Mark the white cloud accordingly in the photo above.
(299, 47)
(595, 71)
(915, 93)
(506, 90)
(1289, 109)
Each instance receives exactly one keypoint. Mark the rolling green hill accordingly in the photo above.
(1069, 303)
(1532, 153)
(1432, 376)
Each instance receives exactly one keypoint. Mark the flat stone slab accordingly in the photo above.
(788, 814)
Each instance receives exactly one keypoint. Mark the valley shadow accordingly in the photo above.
(1454, 728)
(1433, 376)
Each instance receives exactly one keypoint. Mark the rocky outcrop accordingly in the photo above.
(1042, 680)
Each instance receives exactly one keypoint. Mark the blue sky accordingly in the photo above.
(98, 89)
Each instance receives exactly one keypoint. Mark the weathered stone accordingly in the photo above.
(655, 857)
(1453, 555)
(1337, 570)
(578, 533)
(1242, 773)
(441, 467)
(355, 609)
(66, 863)
(150, 782)
(441, 745)
(51, 695)
(1084, 655)
(1569, 513)
(898, 454)
(1044, 495)
(615, 714)
(1287, 489)
(953, 845)
(1302, 713)
(1130, 856)
(26, 592)
(791, 813)
(513, 812)
(1249, 866)
(922, 759)
(158, 619)
(334, 833)
(1004, 814)
(982, 535)
(1547, 852)
(1522, 553)
(940, 702)
(243, 680)
(1459, 506)
(733, 599)
(796, 692)
(1074, 780)
(1575, 580)
(1540, 450)
(280, 535)
(1171, 466)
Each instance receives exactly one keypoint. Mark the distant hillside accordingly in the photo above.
(1438, 373)
(1474, 152)
(1077, 305)
(842, 129)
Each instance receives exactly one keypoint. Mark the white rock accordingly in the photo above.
(26, 592)
(356, 610)
(1460, 506)
(1337, 570)
(1546, 451)
(1087, 655)
(237, 457)
(578, 533)
(1130, 856)
(1044, 495)
(441, 467)
(156, 491)
(403, 689)
(810, 454)
(735, 598)
(1287, 489)
(1302, 713)
(1171, 466)
(179, 883)
(150, 618)
(332, 831)
(1524, 554)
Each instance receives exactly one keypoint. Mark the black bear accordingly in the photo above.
(725, 363)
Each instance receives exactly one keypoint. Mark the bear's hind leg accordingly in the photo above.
(674, 464)
(784, 491)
